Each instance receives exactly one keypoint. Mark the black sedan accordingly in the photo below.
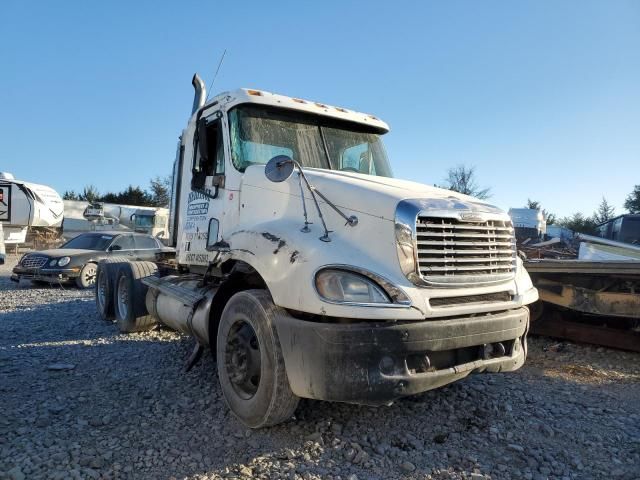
(77, 260)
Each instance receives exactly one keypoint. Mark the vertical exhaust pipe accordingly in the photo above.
(200, 93)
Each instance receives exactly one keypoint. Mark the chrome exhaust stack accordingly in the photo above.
(200, 94)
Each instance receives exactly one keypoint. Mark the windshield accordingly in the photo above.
(260, 133)
(144, 221)
(91, 241)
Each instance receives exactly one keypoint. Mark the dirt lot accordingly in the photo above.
(80, 400)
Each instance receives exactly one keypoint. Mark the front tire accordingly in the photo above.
(251, 367)
(87, 277)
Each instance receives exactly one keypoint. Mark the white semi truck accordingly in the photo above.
(82, 216)
(311, 272)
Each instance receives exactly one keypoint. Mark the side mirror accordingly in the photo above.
(279, 168)
(115, 248)
(212, 234)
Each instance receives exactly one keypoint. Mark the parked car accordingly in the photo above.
(3, 252)
(77, 260)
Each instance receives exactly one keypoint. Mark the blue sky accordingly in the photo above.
(543, 97)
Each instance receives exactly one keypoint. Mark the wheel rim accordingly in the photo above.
(89, 275)
(242, 359)
(102, 290)
(123, 297)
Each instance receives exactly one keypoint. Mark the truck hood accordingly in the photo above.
(379, 196)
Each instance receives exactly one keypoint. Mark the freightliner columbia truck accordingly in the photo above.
(311, 272)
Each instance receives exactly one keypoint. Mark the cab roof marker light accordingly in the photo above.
(256, 93)
(299, 100)
(343, 110)
(320, 105)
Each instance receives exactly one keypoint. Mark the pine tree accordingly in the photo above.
(632, 203)
(604, 213)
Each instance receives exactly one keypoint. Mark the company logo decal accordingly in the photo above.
(197, 204)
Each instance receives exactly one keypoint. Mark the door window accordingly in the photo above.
(209, 158)
(124, 242)
(145, 243)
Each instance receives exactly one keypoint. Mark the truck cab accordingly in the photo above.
(151, 221)
(311, 272)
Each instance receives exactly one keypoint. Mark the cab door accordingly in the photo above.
(205, 203)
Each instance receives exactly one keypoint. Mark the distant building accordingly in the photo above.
(528, 223)
(563, 233)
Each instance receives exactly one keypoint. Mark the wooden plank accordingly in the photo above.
(580, 266)
(583, 300)
(585, 333)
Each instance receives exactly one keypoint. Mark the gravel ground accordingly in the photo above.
(80, 400)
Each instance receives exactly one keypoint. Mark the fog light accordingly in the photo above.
(493, 350)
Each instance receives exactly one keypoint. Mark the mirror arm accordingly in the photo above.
(218, 182)
(206, 193)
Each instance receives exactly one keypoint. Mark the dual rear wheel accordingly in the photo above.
(120, 294)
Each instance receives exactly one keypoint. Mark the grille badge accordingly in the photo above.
(471, 217)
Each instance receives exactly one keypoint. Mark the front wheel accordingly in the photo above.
(87, 277)
(250, 363)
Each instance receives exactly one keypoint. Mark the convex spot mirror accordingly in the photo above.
(279, 168)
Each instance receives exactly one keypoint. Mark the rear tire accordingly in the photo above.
(105, 278)
(251, 367)
(87, 277)
(130, 294)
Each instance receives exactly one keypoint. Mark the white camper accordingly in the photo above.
(28, 209)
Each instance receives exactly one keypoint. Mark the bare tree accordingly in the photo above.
(462, 179)
(160, 191)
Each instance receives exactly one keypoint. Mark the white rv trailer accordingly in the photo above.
(28, 209)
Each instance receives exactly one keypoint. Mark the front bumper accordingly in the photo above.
(52, 275)
(374, 363)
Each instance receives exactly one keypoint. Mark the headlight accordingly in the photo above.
(405, 249)
(342, 286)
(53, 262)
(64, 261)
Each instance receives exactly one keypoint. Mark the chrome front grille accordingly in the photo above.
(33, 261)
(452, 251)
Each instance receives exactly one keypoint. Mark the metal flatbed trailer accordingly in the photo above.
(591, 301)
